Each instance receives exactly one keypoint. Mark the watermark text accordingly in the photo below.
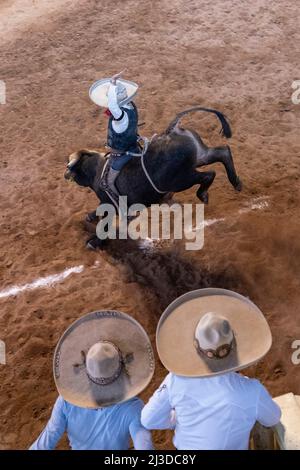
(296, 94)
(296, 354)
(159, 222)
(2, 92)
(2, 353)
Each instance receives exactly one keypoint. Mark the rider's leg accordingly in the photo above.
(111, 178)
(117, 163)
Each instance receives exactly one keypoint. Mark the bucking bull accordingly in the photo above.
(170, 166)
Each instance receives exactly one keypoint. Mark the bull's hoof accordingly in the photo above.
(239, 185)
(94, 243)
(91, 217)
(204, 197)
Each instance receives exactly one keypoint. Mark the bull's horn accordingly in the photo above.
(73, 159)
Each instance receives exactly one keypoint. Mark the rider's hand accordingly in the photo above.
(114, 78)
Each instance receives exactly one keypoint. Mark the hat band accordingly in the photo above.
(112, 378)
(220, 353)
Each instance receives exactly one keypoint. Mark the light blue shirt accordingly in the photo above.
(210, 413)
(96, 429)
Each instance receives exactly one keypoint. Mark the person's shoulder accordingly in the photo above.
(172, 379)
(68, 407)
(135, 404)
(247, 382)
(60, 401)
(61, 405)
(130, 409)
(173, 383)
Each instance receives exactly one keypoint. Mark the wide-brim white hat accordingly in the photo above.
(175, 336)
(115, 328)
(98, 91)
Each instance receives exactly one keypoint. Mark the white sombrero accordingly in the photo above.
(98, 91)
(211, 331)
(103, 358)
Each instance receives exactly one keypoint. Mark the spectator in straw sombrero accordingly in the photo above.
(101, 363)
(203, 339)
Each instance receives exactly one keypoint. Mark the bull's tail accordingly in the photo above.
(226, 130)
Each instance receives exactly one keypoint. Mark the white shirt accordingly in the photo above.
(210, 413)
(96, 429)
(113, 106)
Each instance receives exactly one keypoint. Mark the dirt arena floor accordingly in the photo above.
(237, 56)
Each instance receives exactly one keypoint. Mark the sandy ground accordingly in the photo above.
(236, 56)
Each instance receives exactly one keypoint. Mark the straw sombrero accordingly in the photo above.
(103, 358)
(211, 331)
(98, 91)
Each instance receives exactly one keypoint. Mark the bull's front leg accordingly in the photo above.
(95, 243)
(91, 217)
(105, 228)
(99, 239)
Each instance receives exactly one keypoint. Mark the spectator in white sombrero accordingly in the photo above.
(101, 363)
(203, 339)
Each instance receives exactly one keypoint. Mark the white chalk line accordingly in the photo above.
(41, 282)
(258, 203)
(148, 243)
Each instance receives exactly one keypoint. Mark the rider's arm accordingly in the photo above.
(113, 102)
(120, 122)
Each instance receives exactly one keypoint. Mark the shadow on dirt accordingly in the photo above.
(170, 271)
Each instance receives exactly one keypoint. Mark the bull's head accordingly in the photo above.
(82, 166)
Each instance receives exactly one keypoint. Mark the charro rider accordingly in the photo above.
(122, 136)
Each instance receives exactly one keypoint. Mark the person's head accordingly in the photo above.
(102, 359)
(126, 90)
(209, 332)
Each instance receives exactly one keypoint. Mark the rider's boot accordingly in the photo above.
(111, 178)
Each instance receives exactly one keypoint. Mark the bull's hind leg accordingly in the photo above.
(205, 179)
(223, 155)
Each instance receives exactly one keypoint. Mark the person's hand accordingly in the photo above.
(115, 77)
